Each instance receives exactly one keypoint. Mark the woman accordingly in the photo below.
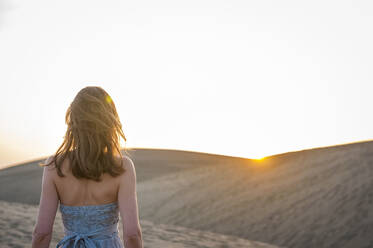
(90, 179)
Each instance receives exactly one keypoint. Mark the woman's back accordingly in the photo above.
(90, 210)
(82, 192)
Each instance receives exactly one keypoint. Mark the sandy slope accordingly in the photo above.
(17, 221)
(313, 198)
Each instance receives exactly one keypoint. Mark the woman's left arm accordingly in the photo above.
(42, 233)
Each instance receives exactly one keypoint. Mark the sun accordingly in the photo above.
(260, 159)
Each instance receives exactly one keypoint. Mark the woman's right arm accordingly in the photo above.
(128, 208)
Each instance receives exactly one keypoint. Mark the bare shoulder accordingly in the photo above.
(127, 162)
(129, 168)
(49, 170)
(49, 163)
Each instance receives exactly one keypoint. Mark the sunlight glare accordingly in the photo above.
(259, 159)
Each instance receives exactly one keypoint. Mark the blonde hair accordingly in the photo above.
(93, 136)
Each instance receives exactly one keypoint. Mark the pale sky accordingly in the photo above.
(240, 78)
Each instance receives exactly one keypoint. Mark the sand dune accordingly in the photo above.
(312, 198)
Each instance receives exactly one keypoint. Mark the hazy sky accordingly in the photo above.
(242, 78)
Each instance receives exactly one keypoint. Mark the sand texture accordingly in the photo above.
(17, 220)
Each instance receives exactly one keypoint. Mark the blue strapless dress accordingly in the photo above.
(92, 226)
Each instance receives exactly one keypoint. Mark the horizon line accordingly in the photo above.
(216, 154)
